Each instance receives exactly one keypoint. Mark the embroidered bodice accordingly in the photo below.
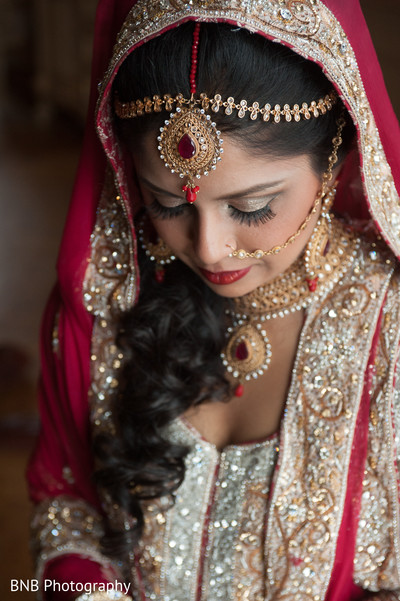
(210, 544)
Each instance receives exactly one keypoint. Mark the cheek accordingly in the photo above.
(264, 235)
(280, 229)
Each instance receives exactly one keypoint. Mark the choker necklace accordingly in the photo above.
(247, 353)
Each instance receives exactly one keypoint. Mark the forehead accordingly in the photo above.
(238, 168)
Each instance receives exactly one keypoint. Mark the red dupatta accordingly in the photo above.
(69, 330)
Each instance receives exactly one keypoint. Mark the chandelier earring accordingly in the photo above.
(155, 248)
(318, 245)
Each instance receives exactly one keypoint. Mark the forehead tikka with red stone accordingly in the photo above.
(189, 142)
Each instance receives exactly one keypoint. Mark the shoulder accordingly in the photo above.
(373, 251)
(378, 269)
(375, 261)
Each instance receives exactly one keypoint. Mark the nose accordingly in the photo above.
(212, 239)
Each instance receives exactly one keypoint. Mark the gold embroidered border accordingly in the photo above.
(317, 435)
(109, 289)
(249, 569)
(391, 432)
(375, 565)
(66, 525)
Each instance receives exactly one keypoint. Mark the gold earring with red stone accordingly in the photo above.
(155, 248)
(318, 245)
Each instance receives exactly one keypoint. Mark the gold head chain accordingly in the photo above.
(156, 104)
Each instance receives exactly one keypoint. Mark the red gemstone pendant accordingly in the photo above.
(241, 351)
(159, 274)
(187, 147)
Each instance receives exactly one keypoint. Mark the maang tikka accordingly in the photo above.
(189, 142)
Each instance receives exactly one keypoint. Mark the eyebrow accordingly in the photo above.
(233, 196)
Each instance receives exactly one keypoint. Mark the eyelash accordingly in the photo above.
(257, 217)
(254, 217)
(158, 210)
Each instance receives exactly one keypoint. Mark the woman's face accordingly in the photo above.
(247, 203)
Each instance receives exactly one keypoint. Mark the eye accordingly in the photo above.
(161, 212)
(253, 217)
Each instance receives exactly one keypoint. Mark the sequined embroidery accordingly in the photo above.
(109, 288)
(318, 429)
(66, 525)
(214, 533)
(378, 532)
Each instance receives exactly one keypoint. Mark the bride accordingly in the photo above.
(219, 403)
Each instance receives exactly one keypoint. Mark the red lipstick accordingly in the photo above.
(224, 277)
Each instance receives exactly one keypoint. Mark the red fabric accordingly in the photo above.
(65, 380)
(64, 407)
(70, 568)
(341, 587)
(64, 439)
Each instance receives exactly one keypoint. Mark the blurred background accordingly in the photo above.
(45, 54)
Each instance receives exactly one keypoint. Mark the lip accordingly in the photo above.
(224, 278)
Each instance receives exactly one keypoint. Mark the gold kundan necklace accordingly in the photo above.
(247, 353)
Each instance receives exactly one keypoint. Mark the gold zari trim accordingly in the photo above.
(318, 430)
(66, 525)
(378, 537)
(109, 289)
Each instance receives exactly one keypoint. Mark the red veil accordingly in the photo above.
(76, 368)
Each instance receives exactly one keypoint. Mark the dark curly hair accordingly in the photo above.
(174, 335)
